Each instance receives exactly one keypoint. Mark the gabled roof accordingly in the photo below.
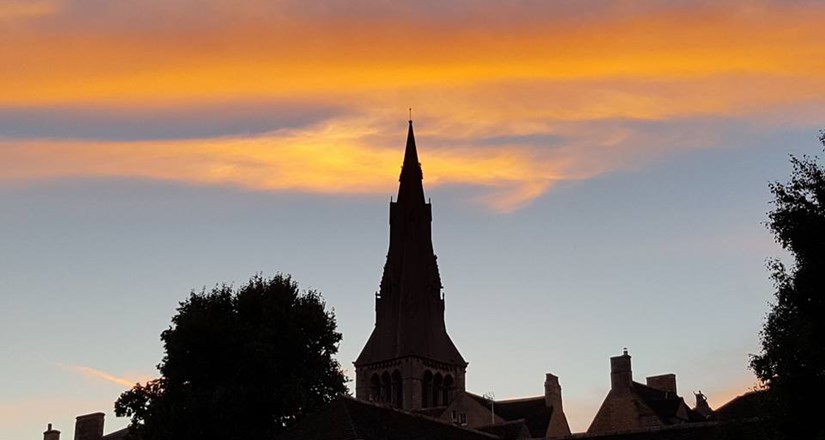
(668, 406)
(532, 410)
(746, 406)
(634, 406)
(117, 435)
(349, 419)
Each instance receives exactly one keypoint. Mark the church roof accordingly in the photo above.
(349, 419)
(409, 307)
(428, 344)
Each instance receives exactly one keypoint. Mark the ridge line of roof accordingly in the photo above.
(513, 400)
(520, 399)
(419, 416)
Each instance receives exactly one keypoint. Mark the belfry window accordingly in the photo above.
(397, 390)
(375, 388)
(427, 389)
(438, 388)
(447, 391)
(386, 389)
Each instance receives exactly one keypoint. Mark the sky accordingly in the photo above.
(598, 171)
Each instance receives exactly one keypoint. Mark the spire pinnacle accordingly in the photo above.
(411, 152)
(411, 175)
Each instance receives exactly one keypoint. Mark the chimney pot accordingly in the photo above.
(51, 434)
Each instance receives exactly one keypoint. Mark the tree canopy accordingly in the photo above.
(239, 364)
(792, 361)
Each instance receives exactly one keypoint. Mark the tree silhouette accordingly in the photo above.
(792, 361)
(239, 364)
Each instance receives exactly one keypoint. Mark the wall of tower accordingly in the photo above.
(423, 383)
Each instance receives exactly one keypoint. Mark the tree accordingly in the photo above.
(239, 364)
(792, 361)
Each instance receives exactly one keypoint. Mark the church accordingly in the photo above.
(409, 361)
(410, 377)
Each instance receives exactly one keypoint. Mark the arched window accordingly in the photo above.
(426, 389)
(438, 387)
(397, 389)
(386, 387)
(375, 388)
(449, 385)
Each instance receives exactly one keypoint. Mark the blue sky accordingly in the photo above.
(598, 179)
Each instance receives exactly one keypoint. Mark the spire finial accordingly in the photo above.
(410, 115)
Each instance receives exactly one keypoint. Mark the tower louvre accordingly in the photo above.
(409, 360)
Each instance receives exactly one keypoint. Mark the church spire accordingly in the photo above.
(409, 305)
(411, 187)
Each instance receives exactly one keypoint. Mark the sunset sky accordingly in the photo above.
(598, 172)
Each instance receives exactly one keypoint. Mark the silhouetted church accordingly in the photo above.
(410, 377)
(409, 360)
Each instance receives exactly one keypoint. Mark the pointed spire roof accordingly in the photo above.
(409, 306)
(411, 153)
(411, 187)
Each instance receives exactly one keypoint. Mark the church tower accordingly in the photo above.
(409, 360)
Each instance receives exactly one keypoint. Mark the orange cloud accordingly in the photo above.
(327, 59)
(468, 77)
(335, 158)
(102, 375)
(352, 156)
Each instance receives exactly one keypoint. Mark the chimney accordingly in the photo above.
(51, 434)
(663, 382)
(552, 391)
(621, 375)
(558, 426)
(89, 427)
